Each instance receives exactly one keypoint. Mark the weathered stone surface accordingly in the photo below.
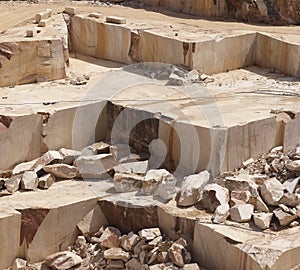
(272, 191)
(191, 189)
(221, 213)
(243, 196)
(43, 15)
(70, 10)
(213, 196)
(19, 264)
(95, 166)
(149, 234)
(116, 254)
(284, 218)
(138, 167)
(68, 155)
(62, 171)
(179, 255)
(262, 220)
(290, 199)
(29, 180)
(50, 157)
(167, 188)
(63, 260)
(242, 212)
(95, 15)
(46, 181)
(129, 240)
(13, 183)
(127, 182)
(110, 238)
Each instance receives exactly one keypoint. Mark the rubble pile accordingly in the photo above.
(266, 190)
(108, 249)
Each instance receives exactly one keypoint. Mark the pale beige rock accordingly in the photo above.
(162, 256)
(291, 184)
(242, 212)
(128, 241)
(213, 196)
(30, 33)
(127, 182)
(290, 199)
(115, 19)
(24, 166)
(179, 255)
(191, 266)
(294, 166)
(240, 184)
(191, 190)
(284, 218)
(43, 15)
(258, 203)
(95, 166)
(70, 10)
(150, 233)
(46, 181)
(241, 195)
(96, 149)
(29, 180)
(63, 260)
(13, 183)
(50, 157)
(62, 171)
(68, 155)
(138, 167)
(167, 188)
(294, 224)
(95, 15)
(42, 23)
(19, 264)
(110, 238)
(262, 220)
(272, 191)
(133, 264)
(157, 240)
(221, 213)
(116, 254)
(115, 264)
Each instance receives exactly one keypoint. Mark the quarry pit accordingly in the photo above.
(145, 116)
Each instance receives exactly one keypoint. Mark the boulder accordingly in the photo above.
(29, 180)
(191, 190)
(62, 171)
(262, 220)
(213, 196)
(290, 199)
(22, 167)
(221, 213)
(167, 188)
(19, 264)
(128, 241)
(294, 166)
(95, 166)
(272, 191)
(179, 255)
(242, 212)
(191, 266)
(243, 196)
(50, 157)
(240, 184)
(63, 260)
(96, 149)
(133, 264)
(138, 167)
(127, 182)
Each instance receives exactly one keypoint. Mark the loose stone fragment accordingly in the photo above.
(191, 266)
(70, 10)
(191, 190)
(262, 220)
(22, 167)
(127, 182)
(284, 218)
(19, 264)
(29, 180)
(149, 234)
(294, 166)
(179, 255)
(138, 167)
(95, 15)
(243, 196)
(116, 254)
(221, 213)
(291, 184)
(46, 181)
(62, 171)
(213, 196)
(290, 199)
(110, 238)
(50, 157)
(63, 260)
(242, 212)
(13, 183)
(272, 191)
(115, 19)
(129, 241)
(68, 155)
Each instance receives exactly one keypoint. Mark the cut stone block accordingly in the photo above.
(242, 212)
(191, 190)
(138, 167)
(95, 15)
(63, 260)
(115, 19)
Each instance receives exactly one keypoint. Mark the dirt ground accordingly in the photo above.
(19, 13)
